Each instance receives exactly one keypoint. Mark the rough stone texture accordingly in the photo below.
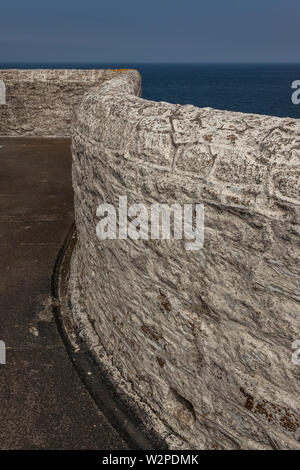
(203, 338)
(2, 92)
(41, 102)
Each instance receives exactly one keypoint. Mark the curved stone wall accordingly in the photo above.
(202, 338)
(41, 102)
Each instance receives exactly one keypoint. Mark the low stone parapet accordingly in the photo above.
(203, 338)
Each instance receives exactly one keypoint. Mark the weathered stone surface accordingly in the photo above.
(2, 93)
(203, 338)
(41, 102)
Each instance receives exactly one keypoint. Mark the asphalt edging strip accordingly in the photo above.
(124, 415)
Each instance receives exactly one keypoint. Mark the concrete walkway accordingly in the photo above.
(43, 403)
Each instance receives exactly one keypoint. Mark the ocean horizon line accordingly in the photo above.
(88, 63)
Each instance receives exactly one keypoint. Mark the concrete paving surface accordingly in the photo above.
(43, 403)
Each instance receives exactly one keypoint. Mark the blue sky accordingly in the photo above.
(129, 31)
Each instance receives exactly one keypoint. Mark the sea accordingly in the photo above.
(249, 88)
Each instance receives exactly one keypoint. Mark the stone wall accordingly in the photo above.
(202, 338)
(41, 102)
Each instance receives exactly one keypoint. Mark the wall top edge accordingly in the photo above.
(62, 74)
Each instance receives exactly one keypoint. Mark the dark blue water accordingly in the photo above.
(250, 88)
